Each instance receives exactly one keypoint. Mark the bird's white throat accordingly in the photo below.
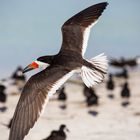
(42, 65)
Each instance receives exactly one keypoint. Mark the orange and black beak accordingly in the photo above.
(30, 67)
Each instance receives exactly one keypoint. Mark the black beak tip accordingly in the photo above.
(23, 71)
(27, 69)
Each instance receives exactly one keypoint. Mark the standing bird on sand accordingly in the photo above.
(123, 62)
(58, 134)
(59, 68)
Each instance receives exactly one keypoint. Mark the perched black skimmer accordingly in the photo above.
(62, 96)
(3, 98)
(123, 62)
(91, 97)
(125, 92)
(59, 68)
(110, 85)
(18, 75)
(58, 134)
(124, 73)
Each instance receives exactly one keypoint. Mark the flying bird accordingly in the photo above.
(58, 69)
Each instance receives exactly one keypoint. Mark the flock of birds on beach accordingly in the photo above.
(91, 97)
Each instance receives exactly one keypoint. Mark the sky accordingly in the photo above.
(32, 28)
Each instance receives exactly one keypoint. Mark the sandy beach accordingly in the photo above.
(113, 121)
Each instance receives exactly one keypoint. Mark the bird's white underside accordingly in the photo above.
(60, 82)
(56, 86)
(86, 37)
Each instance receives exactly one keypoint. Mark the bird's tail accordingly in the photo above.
(94, 70)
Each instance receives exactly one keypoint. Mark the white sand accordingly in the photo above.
(113, 122)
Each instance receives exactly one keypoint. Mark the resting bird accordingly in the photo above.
(59, 68)
(58, 134)
(132, 62)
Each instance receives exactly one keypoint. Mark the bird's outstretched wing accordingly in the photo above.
(33, 98)
(76, 30)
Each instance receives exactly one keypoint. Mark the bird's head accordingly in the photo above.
(34, 65)
(63, 127)
(41, 62)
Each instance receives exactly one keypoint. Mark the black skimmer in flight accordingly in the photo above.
(59, 68)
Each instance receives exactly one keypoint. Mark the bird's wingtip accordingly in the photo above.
(105, 3)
